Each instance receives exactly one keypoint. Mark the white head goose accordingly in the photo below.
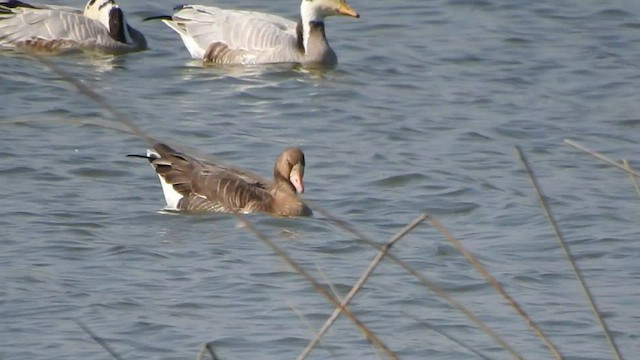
(248, 37)
(192, 185)
(100, 26)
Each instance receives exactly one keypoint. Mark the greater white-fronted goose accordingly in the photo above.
(246, 37)
(101, 26)
(193, 185)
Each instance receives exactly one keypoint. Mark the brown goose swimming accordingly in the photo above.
(228, 36)
(193, 185)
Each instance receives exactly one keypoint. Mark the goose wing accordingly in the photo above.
(50, 26)
(206, 186)
(247, 36)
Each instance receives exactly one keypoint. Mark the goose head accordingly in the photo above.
(109, 14)
(289, 169)
(317, 10)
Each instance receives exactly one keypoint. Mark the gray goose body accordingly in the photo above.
(100, 27)
(192, 185)
(246, 37)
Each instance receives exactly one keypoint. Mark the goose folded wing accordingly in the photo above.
(230, 190)
(239, 30)
(51, 25)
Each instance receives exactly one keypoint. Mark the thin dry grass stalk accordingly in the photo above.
(99, 340)
(424, 281)
(207, 348)
(568, 254)
(319, 288)
(496, 285)
(86, 91)
(310, 327)
(83, 89)
(602, 157)
(358, 285)
(452, 339)
(636, 183)
(74, 121)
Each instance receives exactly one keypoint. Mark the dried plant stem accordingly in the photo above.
(496, 285)
(424, 281)
(310, 327)
(74, 121)
(358, 285)
(319, 288)
(602, 157)
(86, 91)
(452, 338)
(568, 254)
(636, 184)
(207, 348)
(99, 340)
(328, 281)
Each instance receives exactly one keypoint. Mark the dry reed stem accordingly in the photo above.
(424, 281)
(85, 90)
(310, 327)
(99, 340)
(636, 184)
(73, 121)
(319, 288)
(328, 281)
(568, 255)
(451, 338)
(207, 348)
(602, 157)
(82, 88)
(496, 285)
(358, 285)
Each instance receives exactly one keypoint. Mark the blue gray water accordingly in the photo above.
(421, 115)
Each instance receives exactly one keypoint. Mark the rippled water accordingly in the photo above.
(421, 115)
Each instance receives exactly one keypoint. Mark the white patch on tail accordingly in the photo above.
(171, 196)
(190, 43)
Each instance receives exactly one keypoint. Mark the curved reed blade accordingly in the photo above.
(568, 254)
(424, 281)
(602, 157)
(496, 285)
(635, 181)
(99, 340)
(359, 284)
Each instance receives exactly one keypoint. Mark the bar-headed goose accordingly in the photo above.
(247, 37)
(193, 185)
(100, 26)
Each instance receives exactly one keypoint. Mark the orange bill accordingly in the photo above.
(346, 10)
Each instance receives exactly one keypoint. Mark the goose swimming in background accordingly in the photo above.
(247, 37)
(100, 26)
(192, 185)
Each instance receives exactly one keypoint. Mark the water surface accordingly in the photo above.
(421, 115)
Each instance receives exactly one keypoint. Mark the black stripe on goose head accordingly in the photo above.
(117, 25)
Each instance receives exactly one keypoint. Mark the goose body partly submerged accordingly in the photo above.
(193, 185)
(101, 26)
(246, 37)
